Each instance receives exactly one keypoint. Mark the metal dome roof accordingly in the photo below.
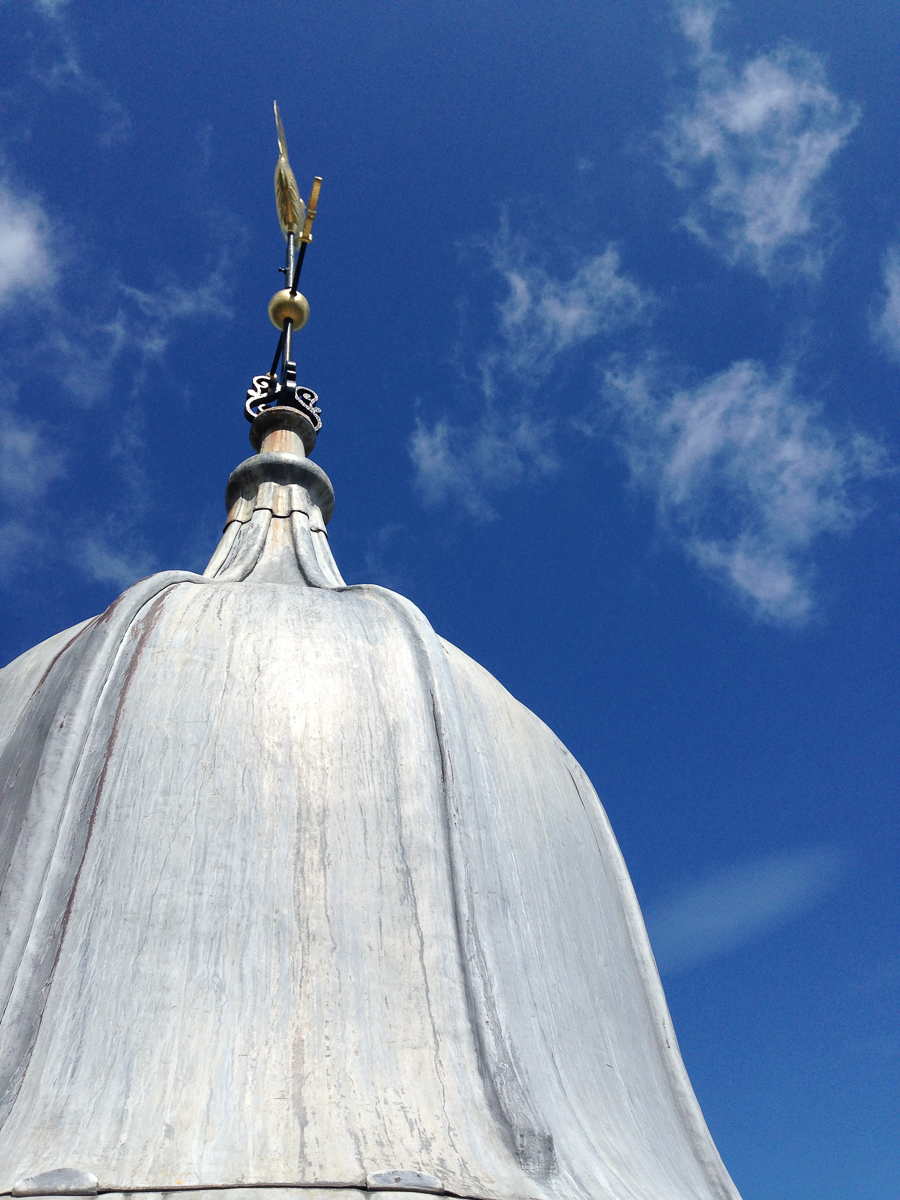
(296, 895)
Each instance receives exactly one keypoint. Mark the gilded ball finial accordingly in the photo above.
(288, 306)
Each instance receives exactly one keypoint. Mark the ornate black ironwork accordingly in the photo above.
(267, 392)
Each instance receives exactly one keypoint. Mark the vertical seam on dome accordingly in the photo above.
(529, 1139)
(89, 693)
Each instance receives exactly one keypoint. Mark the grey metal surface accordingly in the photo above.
(61, 1182)
(403, 1181)
(295, 894)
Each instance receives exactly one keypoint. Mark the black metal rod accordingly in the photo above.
(289, 259)
(278, 350)
(286, 334)
(285, 343)
(299, 267)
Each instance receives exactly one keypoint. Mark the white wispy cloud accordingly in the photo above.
(886, 324)
(133, 324)
(29, 466)
(118, 332)
(114, 321)
(751, 148)
(745, 474)
(383, 557)
(98, 335)
(469, 463)
(123, 345)
(25, 260)
(745, 471)
(541, 319)
(50, 8)
(739, 904)
(58, 64)
(96, 557)
(541, 316)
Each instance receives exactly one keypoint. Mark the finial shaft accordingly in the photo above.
(288, 310)
(289, 324)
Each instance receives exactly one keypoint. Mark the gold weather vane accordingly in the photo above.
(288, 309)
(291, 209)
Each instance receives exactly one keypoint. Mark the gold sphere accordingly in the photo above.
(284, 306)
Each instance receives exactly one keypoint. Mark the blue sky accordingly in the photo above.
(606, 329)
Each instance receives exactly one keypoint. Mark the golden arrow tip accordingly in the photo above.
(282, 140)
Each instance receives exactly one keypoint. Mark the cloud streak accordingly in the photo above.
(738, 905)
(886, 325)
(65, 70)
(750, 149)
(122, 335)
(744, 471)
(745, 475)
(97, 559)
(135, 323)
(101, 334)
(466, 464)
(541, 320)
(28, 468)
(25, 264)
(542, 316)
(50, 8)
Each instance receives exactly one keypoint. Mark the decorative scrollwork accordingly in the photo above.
(267, 392)
(260, 395)
(307, 401)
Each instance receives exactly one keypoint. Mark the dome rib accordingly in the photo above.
(50, 778)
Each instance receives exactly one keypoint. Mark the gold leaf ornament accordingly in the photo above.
(291, 209)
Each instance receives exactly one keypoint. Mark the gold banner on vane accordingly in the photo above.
(291, 209)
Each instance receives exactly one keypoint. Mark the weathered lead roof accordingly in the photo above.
(296, 894)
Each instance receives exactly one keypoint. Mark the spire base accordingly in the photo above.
(298, 433)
